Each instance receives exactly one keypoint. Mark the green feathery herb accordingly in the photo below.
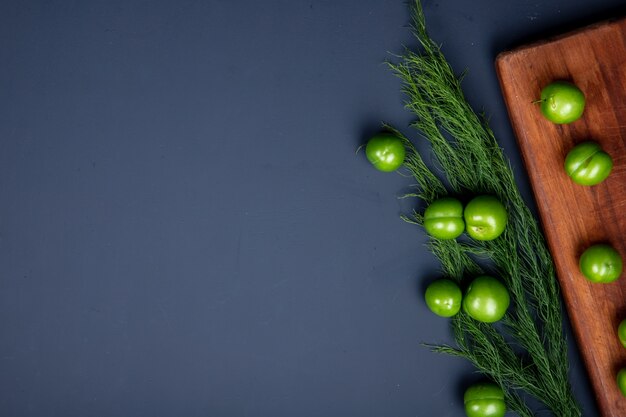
(467, 153)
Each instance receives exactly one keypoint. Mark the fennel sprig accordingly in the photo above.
(467, 154)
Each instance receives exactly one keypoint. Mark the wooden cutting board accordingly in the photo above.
(573, 216)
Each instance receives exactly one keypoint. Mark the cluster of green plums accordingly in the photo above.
(563, 102)
(486, 299)
(484, 218)
(621, 375)
(586, 164)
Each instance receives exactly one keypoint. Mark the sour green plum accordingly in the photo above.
(443, 219)
(621, 332)
(601, 263)
(562, 102)
(443, 297)
(486, 299)
(485, 217)
(484, 400)
(588, 164)
(385, 152)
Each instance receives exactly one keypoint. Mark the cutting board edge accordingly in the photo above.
(505, 55)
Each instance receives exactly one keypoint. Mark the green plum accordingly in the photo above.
(601, 263)
(443, 218)
(562, 102)
(443, 297)
(484, 400)
(385, 151)
(485, 217)
(486, 299)
(588, 164)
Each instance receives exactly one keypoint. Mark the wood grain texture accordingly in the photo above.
(573, 216)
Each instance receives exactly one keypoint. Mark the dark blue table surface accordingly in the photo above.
(185, 227)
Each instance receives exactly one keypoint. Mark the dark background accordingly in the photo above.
(185, 227)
